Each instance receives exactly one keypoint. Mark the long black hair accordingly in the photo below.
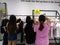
(12, 25)
(28, 19)
(41, 20)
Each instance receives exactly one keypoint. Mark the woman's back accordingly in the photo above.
(45, 31)
(42, 37)
(11, 29)
(11, 26)
(29, 30)
(30, 35)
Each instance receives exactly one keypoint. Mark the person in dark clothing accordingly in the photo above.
(20, 28)
(30, 35)
(18, 21)
(3, 24)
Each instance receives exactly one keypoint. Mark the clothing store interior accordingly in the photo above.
(37, 22)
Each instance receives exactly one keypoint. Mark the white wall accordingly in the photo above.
(24, 8)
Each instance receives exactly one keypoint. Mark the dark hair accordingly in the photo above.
(18, 20)
(28, 19)
(21, 24)
(41, 20)
(12, 25)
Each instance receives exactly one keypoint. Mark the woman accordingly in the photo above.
(30, 35)
(11, 29)
(42, 31)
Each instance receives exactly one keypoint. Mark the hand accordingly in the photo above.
(48, 20)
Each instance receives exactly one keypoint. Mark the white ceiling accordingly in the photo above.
(42, 0)
(30, 0)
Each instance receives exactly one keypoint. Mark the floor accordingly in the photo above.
(1, 42)
(22, 44)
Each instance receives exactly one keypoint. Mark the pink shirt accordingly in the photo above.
(42, 37)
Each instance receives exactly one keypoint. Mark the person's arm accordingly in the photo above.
(35, 26)
(2, 29)
(48, 20)
(6, 27)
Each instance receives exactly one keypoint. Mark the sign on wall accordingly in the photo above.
(36, 12)
(3, 10)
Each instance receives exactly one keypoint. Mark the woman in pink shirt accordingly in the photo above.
(42, 31)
